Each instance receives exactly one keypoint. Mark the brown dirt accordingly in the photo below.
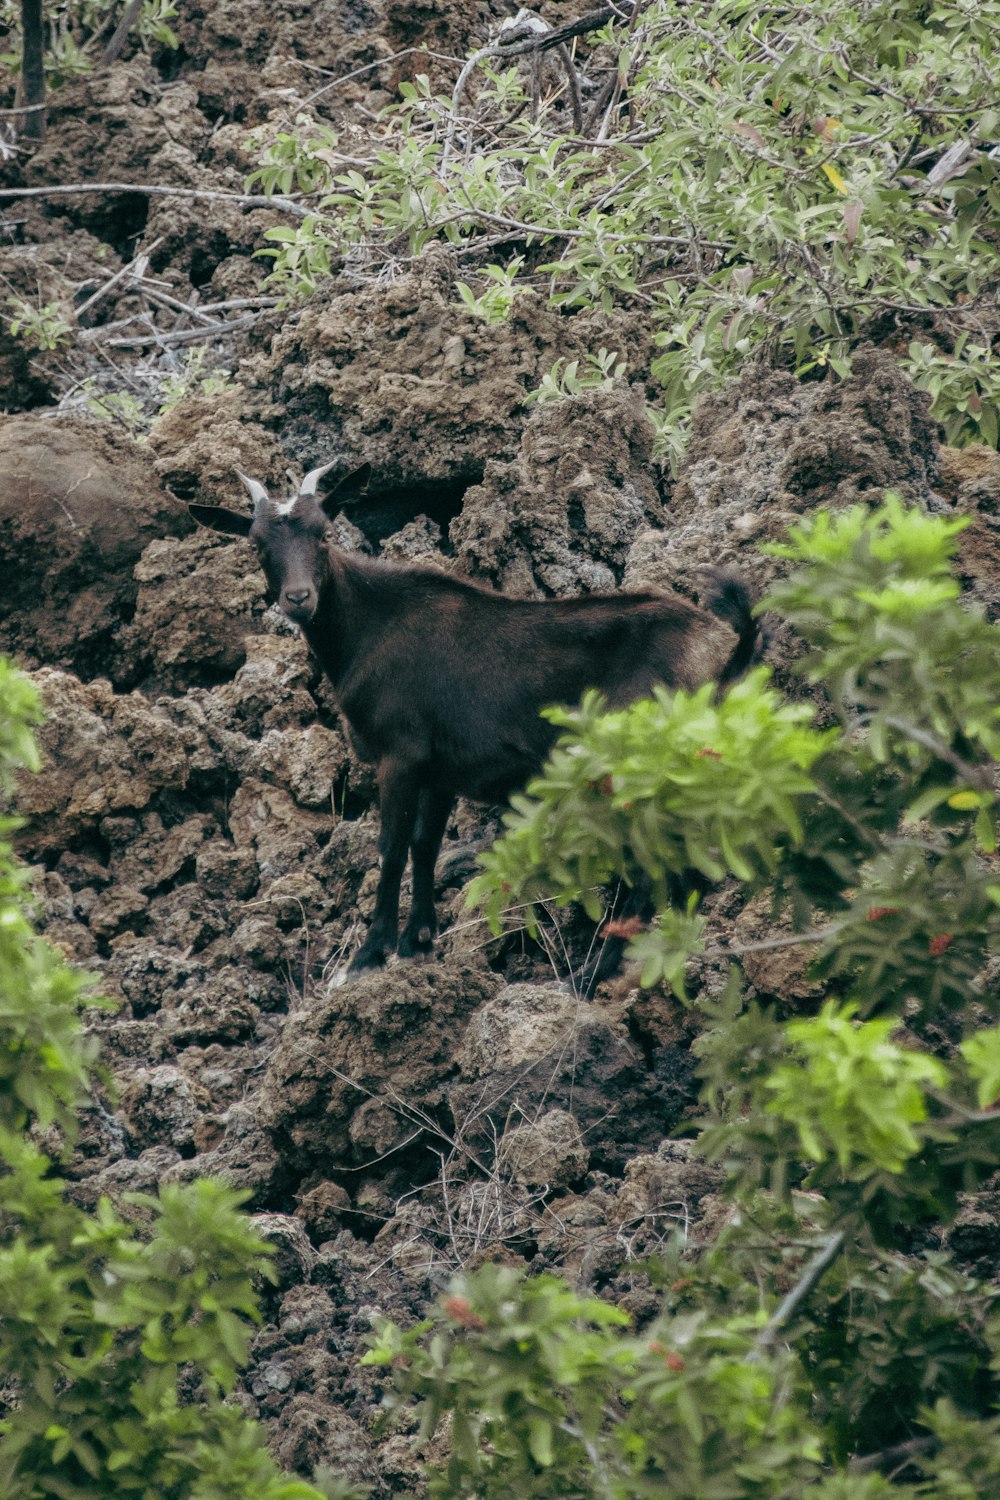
(401, 375)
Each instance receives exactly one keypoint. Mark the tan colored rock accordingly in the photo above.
(197, 602)
(521, 1024)
(78, 503)
(560, 518)
(102, 754)
(547, 1152)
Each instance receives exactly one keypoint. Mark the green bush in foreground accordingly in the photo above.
(99, 1322)
(816, 1347)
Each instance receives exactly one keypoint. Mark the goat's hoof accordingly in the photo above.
(418, 943)
(368, 957)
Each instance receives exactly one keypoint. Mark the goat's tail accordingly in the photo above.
(728, 596)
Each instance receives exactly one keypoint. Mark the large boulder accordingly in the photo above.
(78, 503)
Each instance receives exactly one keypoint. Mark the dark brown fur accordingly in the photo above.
(442, 681)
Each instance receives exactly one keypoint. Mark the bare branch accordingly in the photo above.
(184, 335)
(382, 62)
(977, 776)
(135, 270)
(250, 200)
(765, 945)
(892, 1458)
(790, 1304)
(539, 41)
(121, 31)
(186, 309)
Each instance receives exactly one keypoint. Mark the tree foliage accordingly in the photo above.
(106, 1331)
(819, 1345)
(779, 181)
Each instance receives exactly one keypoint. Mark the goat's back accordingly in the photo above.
(461, 673)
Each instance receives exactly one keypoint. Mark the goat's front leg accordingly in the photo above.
(433, 812)
(399, 792)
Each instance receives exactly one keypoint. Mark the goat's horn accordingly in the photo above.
(258, 494)
(312, 479)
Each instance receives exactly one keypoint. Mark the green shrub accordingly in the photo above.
(73, 34)
(103, 1329)
(817, 1342)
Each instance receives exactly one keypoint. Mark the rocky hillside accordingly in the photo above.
(203, 837)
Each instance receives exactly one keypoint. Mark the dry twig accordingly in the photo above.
(250, 200)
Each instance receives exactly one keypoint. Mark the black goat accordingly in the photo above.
(442, 681)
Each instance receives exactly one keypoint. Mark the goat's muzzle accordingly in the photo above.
(299, 605)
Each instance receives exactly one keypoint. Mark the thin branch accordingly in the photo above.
(790, 940)
(121, 31)
(184, 335)
(174, 304)
(250, 200)
(458, 91)
(540, 41)
(383, 62)
(964, 1116)
(131, 270)
(891, 1458)
(790, 1304)
(237, 302)
(977, 776)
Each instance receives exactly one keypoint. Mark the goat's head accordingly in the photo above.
(290, 536)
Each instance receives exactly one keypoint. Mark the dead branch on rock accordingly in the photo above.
(186, 310)
(134, 271)
(249, 200)
(184, 335)
(134, 279)
(121, 31)
(98, 337)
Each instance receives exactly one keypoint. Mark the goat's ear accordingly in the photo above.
(354, 483)
(216, 518)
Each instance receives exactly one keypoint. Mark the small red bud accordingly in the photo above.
(939, 944)
(459, 1309)
(876, 913)
(670, 1359)
(623, 927)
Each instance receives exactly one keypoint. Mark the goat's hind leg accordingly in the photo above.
(399, 796)
(433, 811)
